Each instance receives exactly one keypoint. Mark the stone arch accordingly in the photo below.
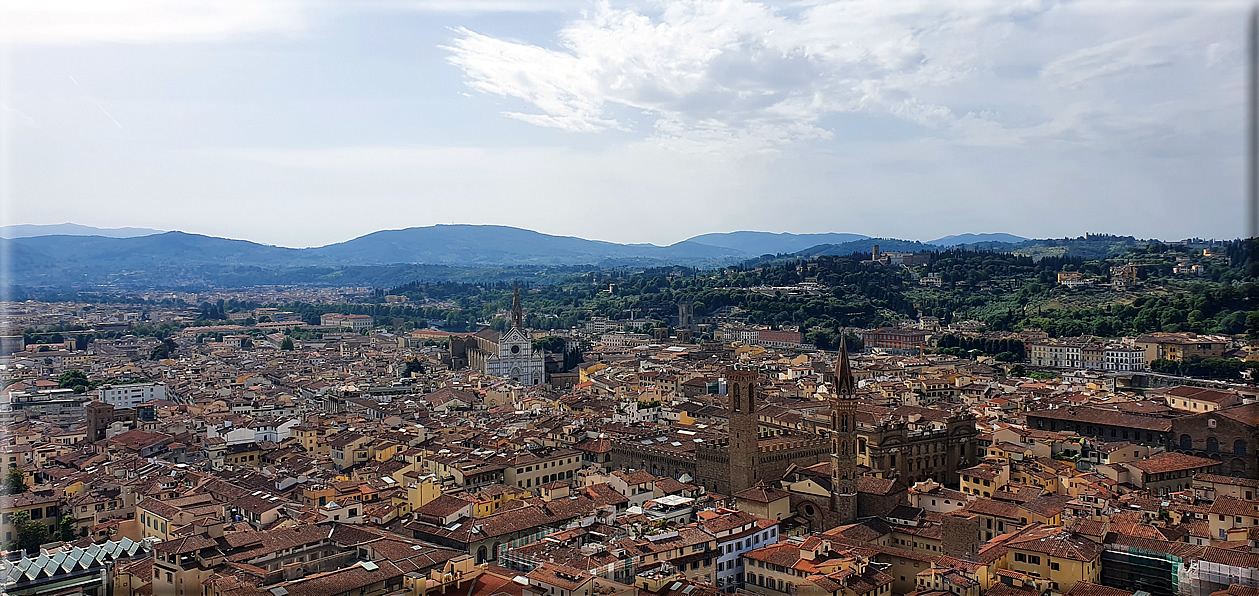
(1186, 443)
(814, 513)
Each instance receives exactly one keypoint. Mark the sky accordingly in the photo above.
(303, 123)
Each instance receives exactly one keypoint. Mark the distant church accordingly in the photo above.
(509, 355)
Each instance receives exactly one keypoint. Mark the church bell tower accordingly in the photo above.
(517, 312)
(844, 441)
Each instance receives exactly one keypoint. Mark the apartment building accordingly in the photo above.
(132, 394)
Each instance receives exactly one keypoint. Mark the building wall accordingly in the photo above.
(919, 455)
(1234, 444)
(130, 396)
(1061, 574)
(561, 466)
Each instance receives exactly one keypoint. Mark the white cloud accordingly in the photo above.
(722, 74)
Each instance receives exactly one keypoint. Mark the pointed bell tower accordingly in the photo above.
(844, 441)
(517, 313)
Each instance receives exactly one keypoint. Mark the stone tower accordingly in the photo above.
(517, 313)
(744, 437)
(844, 441)
(686, 315)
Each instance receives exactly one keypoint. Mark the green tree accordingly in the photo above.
(553, 344)
(65, 530)
(164, 350)
(30, 534)
(72, 378)
(1018, 370)
(15, 481)
(287, 344)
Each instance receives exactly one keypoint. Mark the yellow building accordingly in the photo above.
(42, 506)
(1231, 516)
(1055, 555)
(423, 491)
(985, 479)
(314, 439)
(243, 455)
(488, 500)
(814, 567)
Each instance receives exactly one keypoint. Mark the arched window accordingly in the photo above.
(1186, 443)
(1239, 447)
(1213, 445)
(480, 554)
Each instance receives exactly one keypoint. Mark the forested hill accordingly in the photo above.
(1175, 288)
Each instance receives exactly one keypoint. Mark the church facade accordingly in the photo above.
(509, 355)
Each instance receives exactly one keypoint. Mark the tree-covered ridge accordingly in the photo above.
(1012, 292)
(825, 295)
(1007, 291)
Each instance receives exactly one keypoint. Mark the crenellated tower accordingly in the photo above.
(744, 436)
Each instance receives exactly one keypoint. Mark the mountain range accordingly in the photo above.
(71, 229)
(78, 255)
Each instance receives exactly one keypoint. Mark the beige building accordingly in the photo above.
(1179, 346)
(1199, 399)
(765, 502)
(532, 469)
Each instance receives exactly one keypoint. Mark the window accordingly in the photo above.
(1213, 445)
(1239, 447)
(1186, 443)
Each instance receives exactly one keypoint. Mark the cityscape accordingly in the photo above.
(629, 298)
(963, 419)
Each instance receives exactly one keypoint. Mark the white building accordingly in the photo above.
(1056, 354)
(355, 323)
(737, 532)
(1121, 358)
(256, 431)
(132, 395)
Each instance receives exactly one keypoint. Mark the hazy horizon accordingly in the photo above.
(872, 236)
